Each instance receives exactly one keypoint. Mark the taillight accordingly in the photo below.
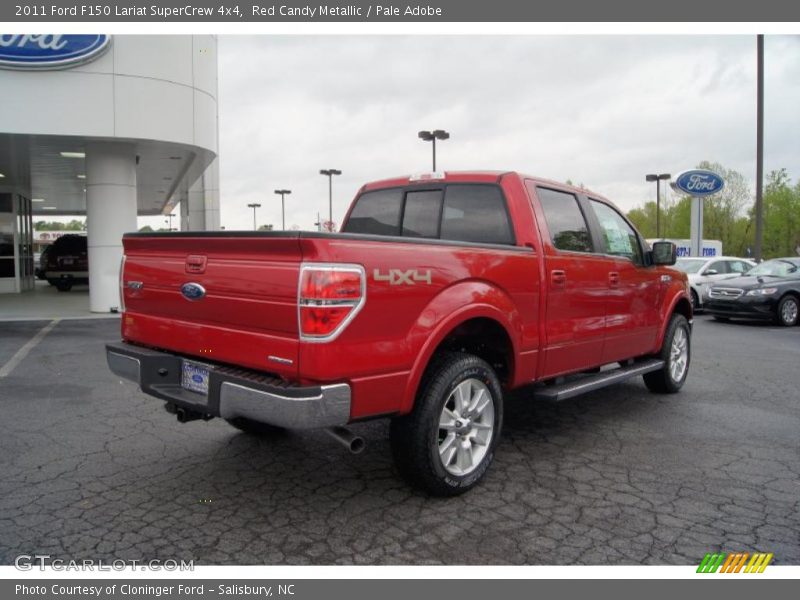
(329, 297)
(122, 284)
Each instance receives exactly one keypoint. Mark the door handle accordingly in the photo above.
(613, 279)
(558, 278)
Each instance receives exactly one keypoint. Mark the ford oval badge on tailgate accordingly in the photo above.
(193, 291)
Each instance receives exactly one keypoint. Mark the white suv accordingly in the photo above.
(703, 271)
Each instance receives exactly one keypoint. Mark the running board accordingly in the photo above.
(570, 389)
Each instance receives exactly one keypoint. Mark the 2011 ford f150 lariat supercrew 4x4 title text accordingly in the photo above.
(440, 293)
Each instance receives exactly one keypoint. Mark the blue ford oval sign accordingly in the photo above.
(699, 182)
(193, 291)
(49, 51)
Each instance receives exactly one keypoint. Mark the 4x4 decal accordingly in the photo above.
(400, 277)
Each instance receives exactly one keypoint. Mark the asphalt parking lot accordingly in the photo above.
(91, 468)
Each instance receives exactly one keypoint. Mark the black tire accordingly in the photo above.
(722, 319)
(788, 310)
(256, 428)
(415, 438)
(63, 286)
(695, 300)
(663, 381)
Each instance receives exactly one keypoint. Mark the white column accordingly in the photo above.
(110, 212)
(696, 227)
(203, 201)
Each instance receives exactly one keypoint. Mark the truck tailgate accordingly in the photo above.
(246, 312)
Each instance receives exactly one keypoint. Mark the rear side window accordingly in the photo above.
(475, 213)
(377, 213)
(567, 225)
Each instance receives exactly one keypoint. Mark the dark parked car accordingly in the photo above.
(67, 262)
(41, 264)
(769, 291)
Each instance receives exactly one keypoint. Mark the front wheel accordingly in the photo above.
(695, 300)
(447, 442)
(788, 309)
(676, 352)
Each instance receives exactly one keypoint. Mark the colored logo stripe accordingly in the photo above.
(759, 561)
(735, 562)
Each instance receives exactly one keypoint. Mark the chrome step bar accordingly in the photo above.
(576, 387)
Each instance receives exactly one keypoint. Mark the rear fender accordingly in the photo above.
(452, 307)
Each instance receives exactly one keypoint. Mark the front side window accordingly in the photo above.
(620, 238)
(567, 225)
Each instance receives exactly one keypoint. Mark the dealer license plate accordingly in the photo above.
(194, 378)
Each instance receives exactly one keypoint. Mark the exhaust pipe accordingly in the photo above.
(354, 443)
(184, 416)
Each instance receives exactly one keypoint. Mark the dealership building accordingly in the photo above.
(110, 127)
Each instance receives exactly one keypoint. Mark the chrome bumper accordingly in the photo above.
(232, 392)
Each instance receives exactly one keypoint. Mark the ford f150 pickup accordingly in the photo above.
(440, 294)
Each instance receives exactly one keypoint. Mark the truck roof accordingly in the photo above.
(486, 176)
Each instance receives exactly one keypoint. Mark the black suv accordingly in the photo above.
(67, 262)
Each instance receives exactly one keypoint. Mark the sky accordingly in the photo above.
(598, 110)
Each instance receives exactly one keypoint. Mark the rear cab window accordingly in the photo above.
(469, 212)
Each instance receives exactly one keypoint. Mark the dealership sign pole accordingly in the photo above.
(699, 184)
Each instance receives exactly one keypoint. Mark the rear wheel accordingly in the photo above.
(676, 354)
(63, 286)
(447, 443)
(255, 428)
(788, 309)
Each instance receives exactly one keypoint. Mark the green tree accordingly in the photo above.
(146, 229)
(49, 226)
(644, 219)
(75, 225)
(781, 215)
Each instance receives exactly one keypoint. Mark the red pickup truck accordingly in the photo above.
(440, 294)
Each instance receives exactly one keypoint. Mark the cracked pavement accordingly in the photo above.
(92, 468)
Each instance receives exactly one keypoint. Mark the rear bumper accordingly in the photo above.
(232, 392)
(66, 275)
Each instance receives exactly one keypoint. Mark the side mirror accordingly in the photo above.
(664, 253)
(711, 272)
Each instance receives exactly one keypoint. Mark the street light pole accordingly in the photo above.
(330, 173)
(432, 136)
(759, 147)
(657, 178)
(254, 206)
(283, 207)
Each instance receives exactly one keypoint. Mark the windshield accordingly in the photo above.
(690, 265)
(775, 268)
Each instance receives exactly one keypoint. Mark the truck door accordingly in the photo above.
(634, 291)
(575, 284)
